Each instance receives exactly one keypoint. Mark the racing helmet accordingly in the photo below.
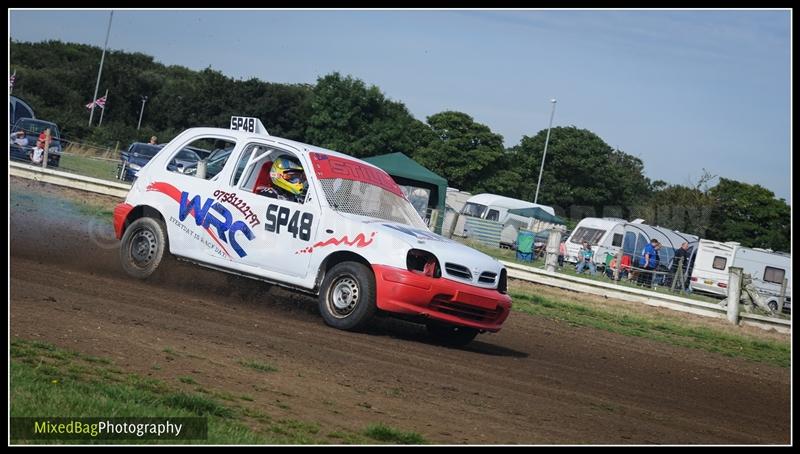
(287, 173)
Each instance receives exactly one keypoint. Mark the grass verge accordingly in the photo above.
(673, 333)
(47, 381)
(88, 166)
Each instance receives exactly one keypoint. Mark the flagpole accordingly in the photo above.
(13, 81)
(103, 108)
(100, 72)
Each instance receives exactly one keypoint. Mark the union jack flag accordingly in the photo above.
(100, 102)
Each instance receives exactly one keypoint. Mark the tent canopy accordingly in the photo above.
(537, 213)
(407, 172)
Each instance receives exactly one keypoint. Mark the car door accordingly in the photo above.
(199, 225)
(283, 230)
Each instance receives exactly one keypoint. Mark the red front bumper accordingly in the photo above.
(120, 214)
(404, 292)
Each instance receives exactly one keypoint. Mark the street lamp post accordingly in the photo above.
(544, 155)
(100, 71)
(144, 100)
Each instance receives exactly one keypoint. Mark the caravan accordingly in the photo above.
(605, 234)
(492, 207)
(768, 270)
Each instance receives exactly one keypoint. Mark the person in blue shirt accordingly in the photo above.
(649, 261)
(585, 259)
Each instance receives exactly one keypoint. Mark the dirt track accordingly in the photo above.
(536, 382)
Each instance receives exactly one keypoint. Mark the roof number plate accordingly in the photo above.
(243, 124)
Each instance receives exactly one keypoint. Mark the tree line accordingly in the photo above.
(583, 175)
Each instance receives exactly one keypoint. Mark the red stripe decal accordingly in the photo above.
(359, 241)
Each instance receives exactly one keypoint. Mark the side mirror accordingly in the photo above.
(180, 167)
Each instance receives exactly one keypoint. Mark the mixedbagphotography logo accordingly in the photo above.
(99, 428)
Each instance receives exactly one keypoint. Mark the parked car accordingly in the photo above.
(214, 162)
(17, 108)
(185, 158)
(32, 128)
(134, 158)
(346, 233)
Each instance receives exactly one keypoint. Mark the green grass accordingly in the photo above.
(259, 366)
(90, 167)
(48, 381)
(711, 340)
(388, 434)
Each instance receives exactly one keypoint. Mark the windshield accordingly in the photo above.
(586, 234)
(36, 127)
(365, 199)
(187, 155)
(147, 151)
(474, 210)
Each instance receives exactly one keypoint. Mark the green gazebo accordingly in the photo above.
(407, 172)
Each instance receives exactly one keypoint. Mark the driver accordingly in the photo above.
(288, 180)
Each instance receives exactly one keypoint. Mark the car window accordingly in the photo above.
(251, 153)
(272, 172)
(31, 126)
(144, 150)
(187, 155)
(217, 150)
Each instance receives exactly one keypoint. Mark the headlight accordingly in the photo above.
(423, 262)
(55, 150)
(134, 167)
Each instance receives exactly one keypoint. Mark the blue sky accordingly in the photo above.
(682, 90)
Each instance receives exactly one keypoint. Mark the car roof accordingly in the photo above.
(304, 148)
(36, 120)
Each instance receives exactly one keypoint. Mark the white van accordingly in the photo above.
(603, 234)
(767, 268)
(454, 203)
(492, 207)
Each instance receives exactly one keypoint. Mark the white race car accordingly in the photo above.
(311, 219)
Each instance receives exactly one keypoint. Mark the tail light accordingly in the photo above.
(722, 284)
(423, 262)
(694, 279)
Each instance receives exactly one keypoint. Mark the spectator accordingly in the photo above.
(682, 253)
(585, 256)
(42, 144)
(624, 267)
(19, 138)
(153, 141)
(562, 251)
(648, 262)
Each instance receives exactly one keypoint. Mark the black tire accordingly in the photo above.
(347, 296)
(451, 335)
(143, 246)
(773, 305)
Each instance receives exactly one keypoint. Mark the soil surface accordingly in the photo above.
(538, 381)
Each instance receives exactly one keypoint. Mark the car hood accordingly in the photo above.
(454, 257)
(136, 159)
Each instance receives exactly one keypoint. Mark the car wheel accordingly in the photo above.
(773, 305)
(143, 246)
(347, 296)
(451, 335)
